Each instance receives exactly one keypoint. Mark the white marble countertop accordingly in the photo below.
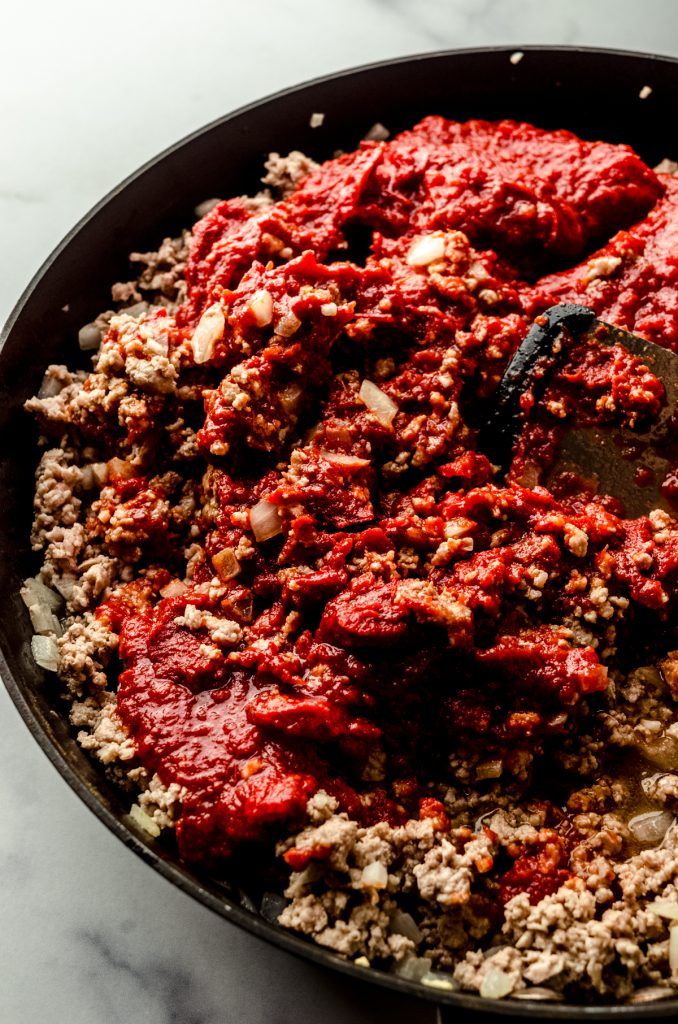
(88, 933)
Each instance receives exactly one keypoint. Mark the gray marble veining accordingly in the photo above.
(89, 934)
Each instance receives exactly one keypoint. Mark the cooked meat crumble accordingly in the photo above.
(291, 603)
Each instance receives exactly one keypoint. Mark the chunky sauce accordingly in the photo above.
(399, 602)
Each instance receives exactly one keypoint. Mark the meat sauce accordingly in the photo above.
(400, 603)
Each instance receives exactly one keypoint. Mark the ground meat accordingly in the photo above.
(301, 608)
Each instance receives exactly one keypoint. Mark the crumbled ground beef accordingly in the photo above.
(291, 602)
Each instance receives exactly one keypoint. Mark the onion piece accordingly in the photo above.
(65, 585)
(265, 520)
(664, 908)
(34, 592)
(290, 398)
(261, 307)
(225, 563)
(209, 330)
(383, 407)
(175, 588)
(413, 968)
(45, 652)
(44, 621)
(344, 460)
(374, 876)
(651, 827)
(496, 984)
(434, 980)
(272, 906)
(426, 250)
(288, 325)
(489, 770)
(51, 386)
(119, 469)
(673, 949)
(144, 821)
(89, 337)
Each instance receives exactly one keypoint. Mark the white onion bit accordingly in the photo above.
(413, 968)
(265, 520)
(89, 338)
(673, 949)
(664, 908)
(651, 827)
(496, 984)
(374, 876)
(261, 307)
(438, 981)
(45, 652)
(209, 330)
(426, 250)
(34, 592)
(489, 770)
(288, 325)
(379, 403)
(225, 563)
(344, 460)
(175, 588)
(144, 821)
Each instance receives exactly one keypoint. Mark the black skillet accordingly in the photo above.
(593, 92)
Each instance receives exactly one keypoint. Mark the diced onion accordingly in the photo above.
(202, 209)
(44, 621)
(651, 827)
(100, 472)
(673, 949)
(144, 821)
(51, 386)
(34, 591)
(65, 585)
(209, 330)
(344, 460)
(265, 520)
(434, 980)
(413, 968)
(495, 984)
(489, 769)
(89, 337)
(329, 309)
(377, 133)
(290, 397)
(426, 250)
(45, 652)
(383, 407)
(226, 565)
(403, 923)
(261, 307)
(272, 906)
(374, 876)
(120, 469)
(664, 908)
(288, 325)
(175, 588)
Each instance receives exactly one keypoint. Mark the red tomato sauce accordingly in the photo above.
(404, 602)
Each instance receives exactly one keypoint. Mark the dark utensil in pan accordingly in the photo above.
(633, 465)
(595, 93)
